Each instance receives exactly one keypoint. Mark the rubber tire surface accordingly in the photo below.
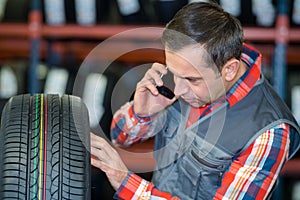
(44, 148)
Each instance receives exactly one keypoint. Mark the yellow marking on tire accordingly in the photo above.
(41, 148)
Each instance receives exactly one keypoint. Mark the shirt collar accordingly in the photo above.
(252, 58)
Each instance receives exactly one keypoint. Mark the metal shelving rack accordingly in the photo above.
(32, 40)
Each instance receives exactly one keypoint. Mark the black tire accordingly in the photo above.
(44, 148)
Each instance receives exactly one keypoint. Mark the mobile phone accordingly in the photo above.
(163, 90)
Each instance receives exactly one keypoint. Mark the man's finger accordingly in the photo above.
(100, 154)
(101, 144)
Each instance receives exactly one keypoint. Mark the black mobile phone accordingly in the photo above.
(163, 90)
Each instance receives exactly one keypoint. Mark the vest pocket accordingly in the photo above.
(209, 182)
(211, 175)
(171, 128)
(188, 176)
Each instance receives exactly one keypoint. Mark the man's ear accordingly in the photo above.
(230, 69)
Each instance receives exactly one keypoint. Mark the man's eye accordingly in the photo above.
(193, 80)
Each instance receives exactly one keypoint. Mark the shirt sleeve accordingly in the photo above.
(253, 174)
(134, 187)
(128, 128)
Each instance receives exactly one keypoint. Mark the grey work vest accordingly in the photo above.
(191, 162)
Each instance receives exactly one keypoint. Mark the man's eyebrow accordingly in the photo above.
(193, 77)
(184, 77)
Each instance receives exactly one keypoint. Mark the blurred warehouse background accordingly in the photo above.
(44, 44)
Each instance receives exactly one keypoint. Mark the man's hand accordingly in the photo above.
(106, 158)
(147, 100)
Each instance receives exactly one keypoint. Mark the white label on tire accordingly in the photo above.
(128, 7)
(296, 102)
(85, 12)
(93, 96)
(8, 83)
(191, 1)
(55, 12)
(56, 82)
(264, 11)
(2, 8)
(296, 12)
(232, 6)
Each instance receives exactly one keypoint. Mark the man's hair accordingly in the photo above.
(208, 25)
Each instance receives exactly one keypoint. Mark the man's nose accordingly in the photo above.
(180, 87)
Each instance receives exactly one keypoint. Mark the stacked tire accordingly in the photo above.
(44, 148)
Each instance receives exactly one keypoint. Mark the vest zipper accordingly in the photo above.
(204, 162)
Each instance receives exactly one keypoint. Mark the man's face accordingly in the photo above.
(195, 82)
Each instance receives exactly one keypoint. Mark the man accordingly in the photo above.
(225, 135)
